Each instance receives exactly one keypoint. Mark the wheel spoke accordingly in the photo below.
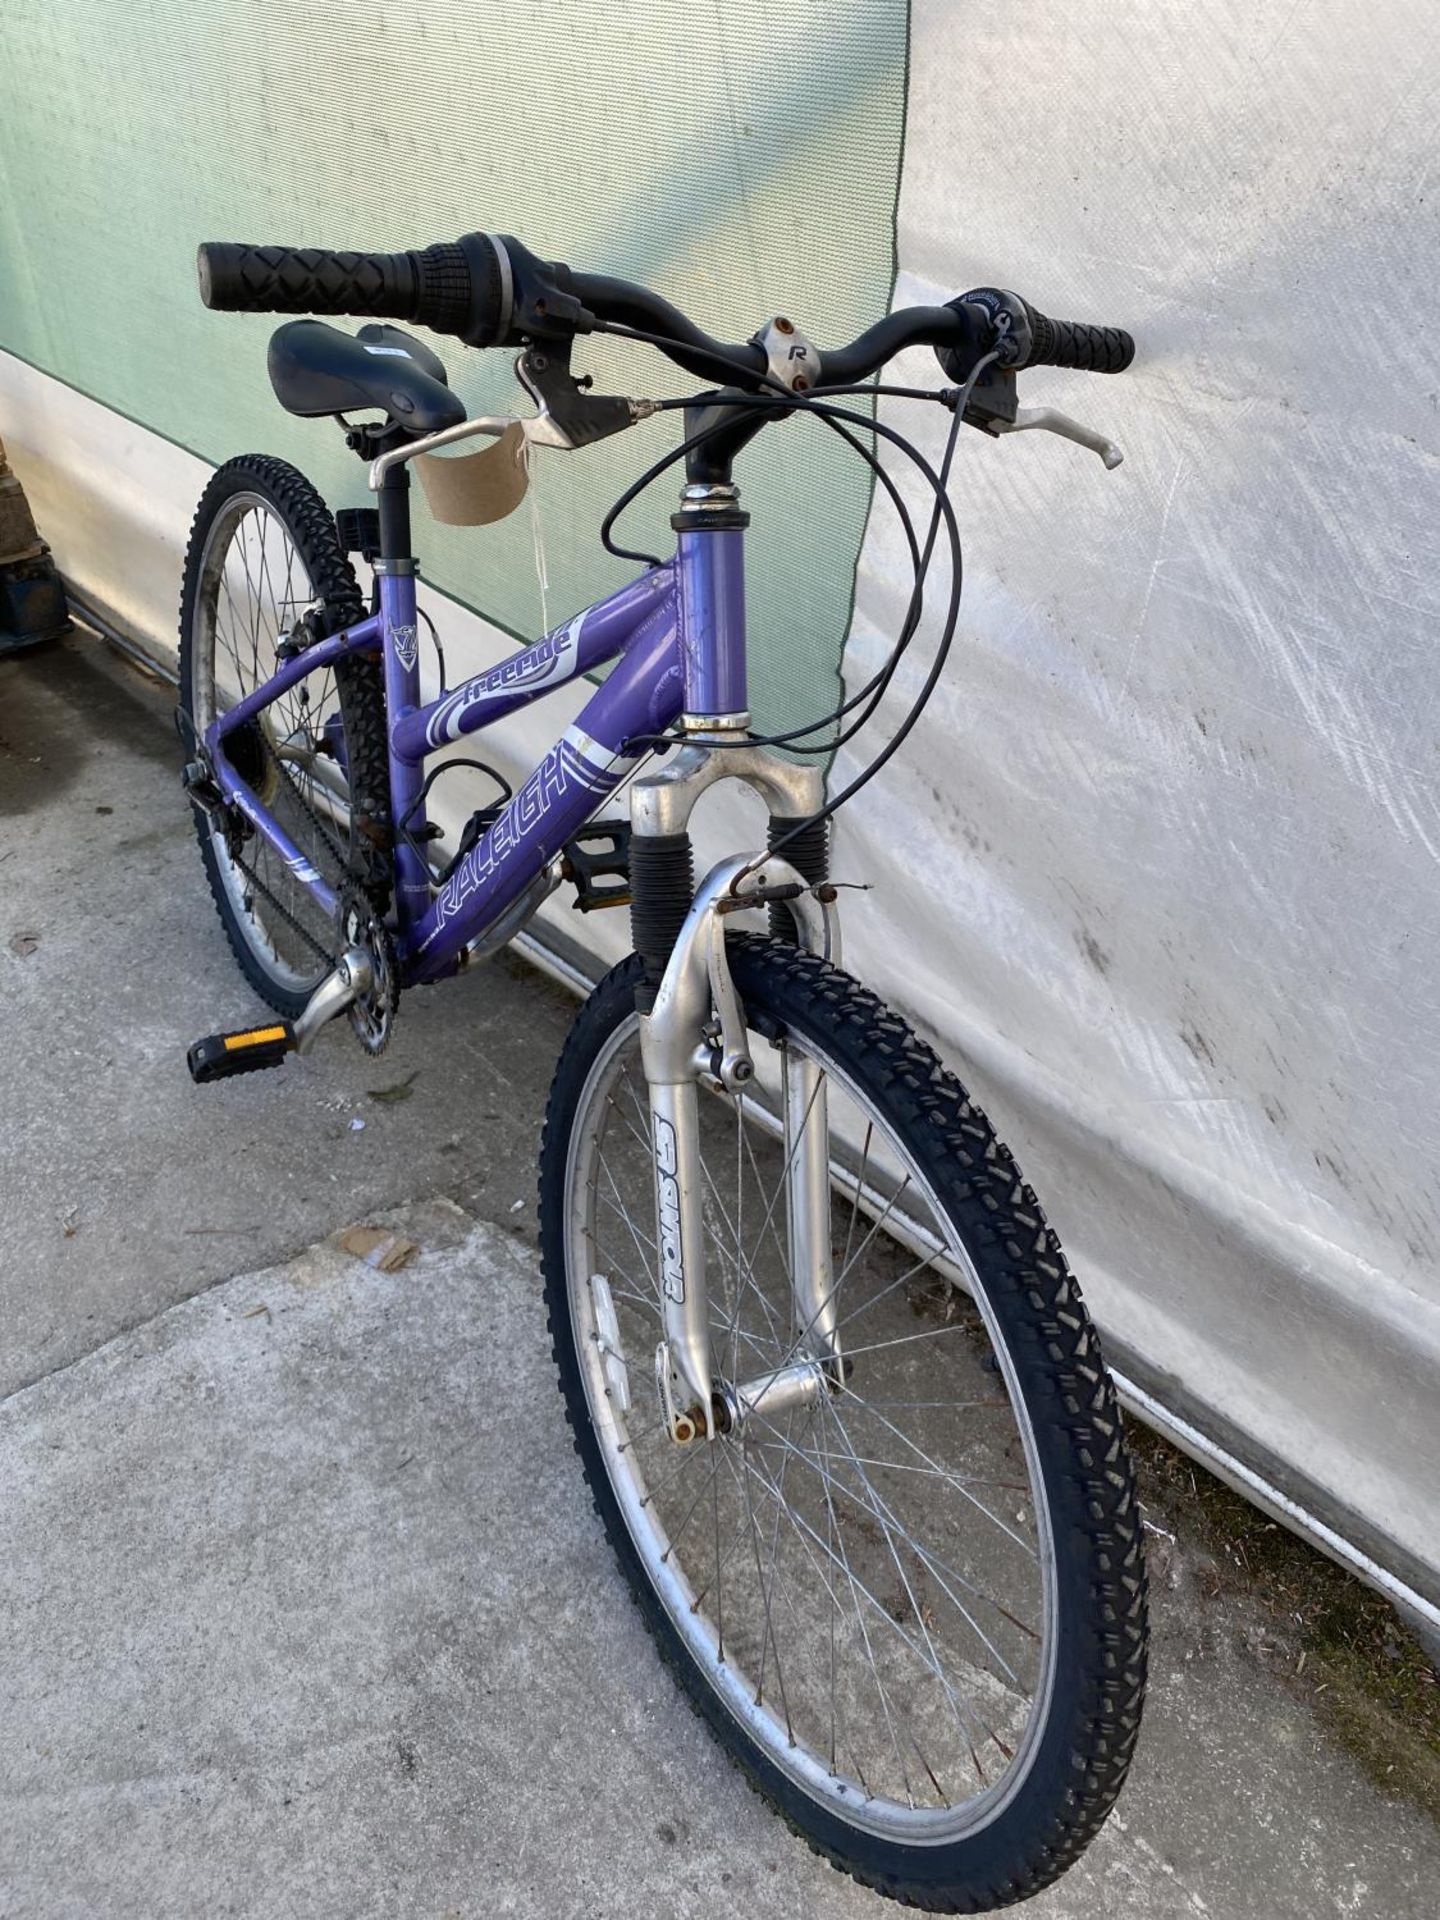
(882, 1512)
(845, 1569)
(951, 1480)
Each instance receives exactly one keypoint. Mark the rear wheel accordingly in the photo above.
(913, 1608)
(264, 566)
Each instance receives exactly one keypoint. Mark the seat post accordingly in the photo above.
(394, 504)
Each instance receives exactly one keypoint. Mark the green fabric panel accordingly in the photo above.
(742, 158)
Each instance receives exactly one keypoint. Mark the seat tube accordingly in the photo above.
(711, 575)
(396, 571)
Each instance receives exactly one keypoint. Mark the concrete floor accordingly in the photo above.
(130, 1188)
(304, 1611)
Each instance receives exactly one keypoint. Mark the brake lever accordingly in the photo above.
(993, 408)
(570, 416)
(1051, 420)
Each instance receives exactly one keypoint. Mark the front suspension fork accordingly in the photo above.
(696, 1032)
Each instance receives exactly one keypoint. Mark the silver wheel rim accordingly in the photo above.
(253, 587)
(925, 1808)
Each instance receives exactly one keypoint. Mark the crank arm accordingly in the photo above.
(220, 1055)
(352, 976)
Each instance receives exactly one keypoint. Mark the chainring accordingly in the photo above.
(372, 1015)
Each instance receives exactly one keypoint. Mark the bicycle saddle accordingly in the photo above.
(317, 369)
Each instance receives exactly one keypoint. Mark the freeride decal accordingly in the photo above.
(667, 1189)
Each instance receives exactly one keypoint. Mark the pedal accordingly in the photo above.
(610, 858)
(250, 1051)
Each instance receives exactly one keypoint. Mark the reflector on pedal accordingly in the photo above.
(249, 1051)
(256, 1037)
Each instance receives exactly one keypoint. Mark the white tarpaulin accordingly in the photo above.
(1166, 846)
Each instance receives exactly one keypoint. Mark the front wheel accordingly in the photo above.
(912, 1609)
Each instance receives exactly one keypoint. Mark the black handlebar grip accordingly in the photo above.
(453, 287)
(1075, 343)
(247, 279)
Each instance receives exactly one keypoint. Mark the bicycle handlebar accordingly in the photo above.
(490, 291)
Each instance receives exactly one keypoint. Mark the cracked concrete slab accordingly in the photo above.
(307, 1614)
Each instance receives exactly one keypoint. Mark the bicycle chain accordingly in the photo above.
(284, 912)
(340, 858)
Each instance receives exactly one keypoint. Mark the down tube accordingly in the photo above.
(643, 695)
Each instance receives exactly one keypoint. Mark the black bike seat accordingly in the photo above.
(317, 369)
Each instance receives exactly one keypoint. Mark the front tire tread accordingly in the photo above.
(1057, 1354)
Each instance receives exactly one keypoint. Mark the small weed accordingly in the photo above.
(1337, 1644)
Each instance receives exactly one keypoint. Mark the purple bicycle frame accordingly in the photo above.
(679, 635)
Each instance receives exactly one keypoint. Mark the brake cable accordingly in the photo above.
(874, 690)
(832, 416)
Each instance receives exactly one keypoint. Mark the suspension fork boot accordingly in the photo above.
(809, 853)
(662, 885)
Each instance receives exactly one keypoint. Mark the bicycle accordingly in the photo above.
(844, 1418)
